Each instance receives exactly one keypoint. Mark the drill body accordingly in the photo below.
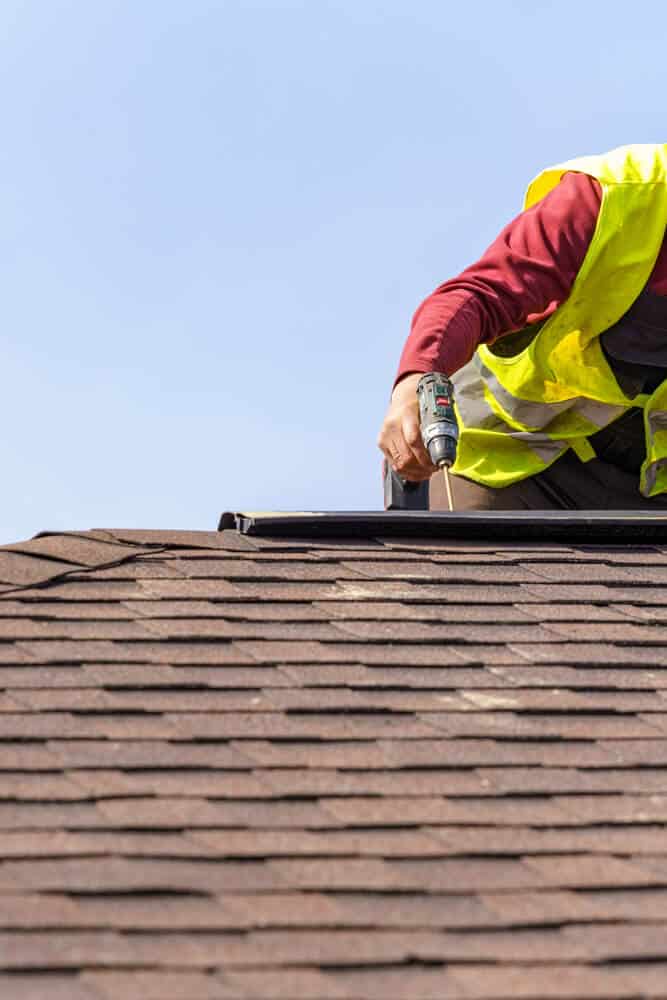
(440, 434)
(440, 430)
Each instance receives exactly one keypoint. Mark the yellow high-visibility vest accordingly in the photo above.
(525, 400)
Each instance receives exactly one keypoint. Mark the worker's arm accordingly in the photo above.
(526, 273)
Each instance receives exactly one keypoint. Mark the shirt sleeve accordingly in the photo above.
(526, 273)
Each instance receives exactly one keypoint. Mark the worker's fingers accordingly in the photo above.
(395, 449)
(404, 459)
(412, 472)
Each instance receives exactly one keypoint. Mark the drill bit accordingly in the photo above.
(448, 486)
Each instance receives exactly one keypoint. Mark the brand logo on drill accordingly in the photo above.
(442, 400)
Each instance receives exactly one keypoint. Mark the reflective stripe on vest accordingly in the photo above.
(654, 470)
(519, 414)
(538, 416)
(478, 451)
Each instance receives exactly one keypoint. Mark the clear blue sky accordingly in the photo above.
(217, 219)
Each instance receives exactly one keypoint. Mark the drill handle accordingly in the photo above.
(400, 494)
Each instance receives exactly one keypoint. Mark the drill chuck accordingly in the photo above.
(442, 449)
(440, 431)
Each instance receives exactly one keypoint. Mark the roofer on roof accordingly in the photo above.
(557, 343)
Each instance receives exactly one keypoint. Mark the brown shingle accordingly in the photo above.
(318, 726)
(131, 570)
(32, 787)
(143, 910)
(624, 632)
(304, 753)
(219, 628)
(414, 875)
(413, 910)
(655, 614)
(326, 698)
(230, 610)
(137, 753)
(390, 611)
(71, 548)
(26, 756)
(590, 678)
(60, 987)
(294, 984)
(435, 678)
(378, 984)
(446, 632)
(575, 943)
(27, 628)
(543, 726)
(20, 569)
(531, 841)
(577, 871)
(330, 843)
(90, 651)
(594, 654)
(49, 816)
(65, 843)
(394, 811)
(562, 699)
(294, 781)
(584, 612)
(11, 653)
(223, 676)
(554, 780)
(249, 767)
(615, 808)
(37, 911)
(188, 700)
(525, 909)
(270, 571)
(491, 752)
(151, 538)
(457, 573)
(212, 784)
(192, 812)
(569, 983)
(45, 725)
(632, 753)
(407, 654)
(117, 875)
(75, 611)
(170, 984)
(85, 589)
(550, 593)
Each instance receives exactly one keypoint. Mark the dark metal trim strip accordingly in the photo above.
(615, 526)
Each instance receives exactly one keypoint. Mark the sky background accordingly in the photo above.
(217, 218)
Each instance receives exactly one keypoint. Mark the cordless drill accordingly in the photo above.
(440, 434)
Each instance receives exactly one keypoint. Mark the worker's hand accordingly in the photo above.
(400, 436)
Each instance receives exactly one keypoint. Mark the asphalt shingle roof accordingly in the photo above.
(266, 769)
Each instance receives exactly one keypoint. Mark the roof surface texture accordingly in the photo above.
(285, 769)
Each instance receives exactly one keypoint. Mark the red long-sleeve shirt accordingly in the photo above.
(526, 273)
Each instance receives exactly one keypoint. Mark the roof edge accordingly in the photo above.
(613, 526)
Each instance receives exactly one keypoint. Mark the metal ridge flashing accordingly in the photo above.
(617, 526)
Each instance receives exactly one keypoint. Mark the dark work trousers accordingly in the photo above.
(568, 484)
